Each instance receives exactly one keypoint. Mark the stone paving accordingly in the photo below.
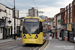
(56, 44)
(7, 40)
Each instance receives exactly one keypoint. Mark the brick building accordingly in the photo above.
(67, 15)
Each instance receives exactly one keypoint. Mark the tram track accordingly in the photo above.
(44, 45)
(41, 47)
(17, 45)
(11, 44)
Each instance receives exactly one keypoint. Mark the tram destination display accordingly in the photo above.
(31, 20)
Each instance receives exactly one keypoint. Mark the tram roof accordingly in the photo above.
(34, 18)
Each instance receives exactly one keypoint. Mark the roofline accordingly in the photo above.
(6, 6)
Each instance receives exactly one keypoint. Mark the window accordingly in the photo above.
(71, 9)
(68, 13)
(0, 14)
(65, 15)
(0, 30)
(71, 12)
(65, 33)
(9, 11)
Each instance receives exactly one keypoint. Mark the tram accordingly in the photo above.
(32, 30)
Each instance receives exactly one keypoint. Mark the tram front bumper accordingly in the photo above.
(32, 41)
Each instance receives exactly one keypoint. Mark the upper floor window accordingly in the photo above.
(65, 15)
(71, 12)
(71, 5)
(9, 12)
(68, 13)
(71, 9)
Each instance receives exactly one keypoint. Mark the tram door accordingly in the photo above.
(1, 33)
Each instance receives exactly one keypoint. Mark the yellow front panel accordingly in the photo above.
(31, 39)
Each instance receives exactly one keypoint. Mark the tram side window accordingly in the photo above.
(41, 27)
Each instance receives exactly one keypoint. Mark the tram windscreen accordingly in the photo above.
(31, 27)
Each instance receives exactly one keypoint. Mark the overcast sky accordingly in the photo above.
(49, 7)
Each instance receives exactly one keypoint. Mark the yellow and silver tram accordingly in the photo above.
(32, 30)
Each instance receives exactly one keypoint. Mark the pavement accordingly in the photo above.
(8, 40)
(56, 44)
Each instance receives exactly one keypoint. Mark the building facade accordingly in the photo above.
(33, 12)
(7, 22)
(67, 15)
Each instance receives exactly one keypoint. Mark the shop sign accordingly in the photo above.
(59, 20)
(69, 27)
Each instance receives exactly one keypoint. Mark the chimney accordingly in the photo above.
(62, 9)
(32, 7)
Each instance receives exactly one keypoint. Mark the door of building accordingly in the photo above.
(1, 33)
(8, 33)
(71, 36)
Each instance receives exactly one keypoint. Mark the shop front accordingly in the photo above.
(5, 33)
(65, 33)
(71, 33)
(18, 31)
(8, 32)
(1, 33)
(58, 33)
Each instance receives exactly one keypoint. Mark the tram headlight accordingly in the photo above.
(24, 36)
(36, 36)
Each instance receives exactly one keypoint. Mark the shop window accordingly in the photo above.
(0, 30)
(8, 32)
(65, 33)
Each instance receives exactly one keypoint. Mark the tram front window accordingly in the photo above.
(31, 28)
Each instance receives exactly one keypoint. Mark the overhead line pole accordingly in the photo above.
(14, 22)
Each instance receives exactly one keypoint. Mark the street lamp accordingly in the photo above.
(9, 21)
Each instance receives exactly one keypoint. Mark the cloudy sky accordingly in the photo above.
(49, 7)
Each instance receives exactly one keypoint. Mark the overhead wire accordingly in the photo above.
(10, 4)
(35, 4)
